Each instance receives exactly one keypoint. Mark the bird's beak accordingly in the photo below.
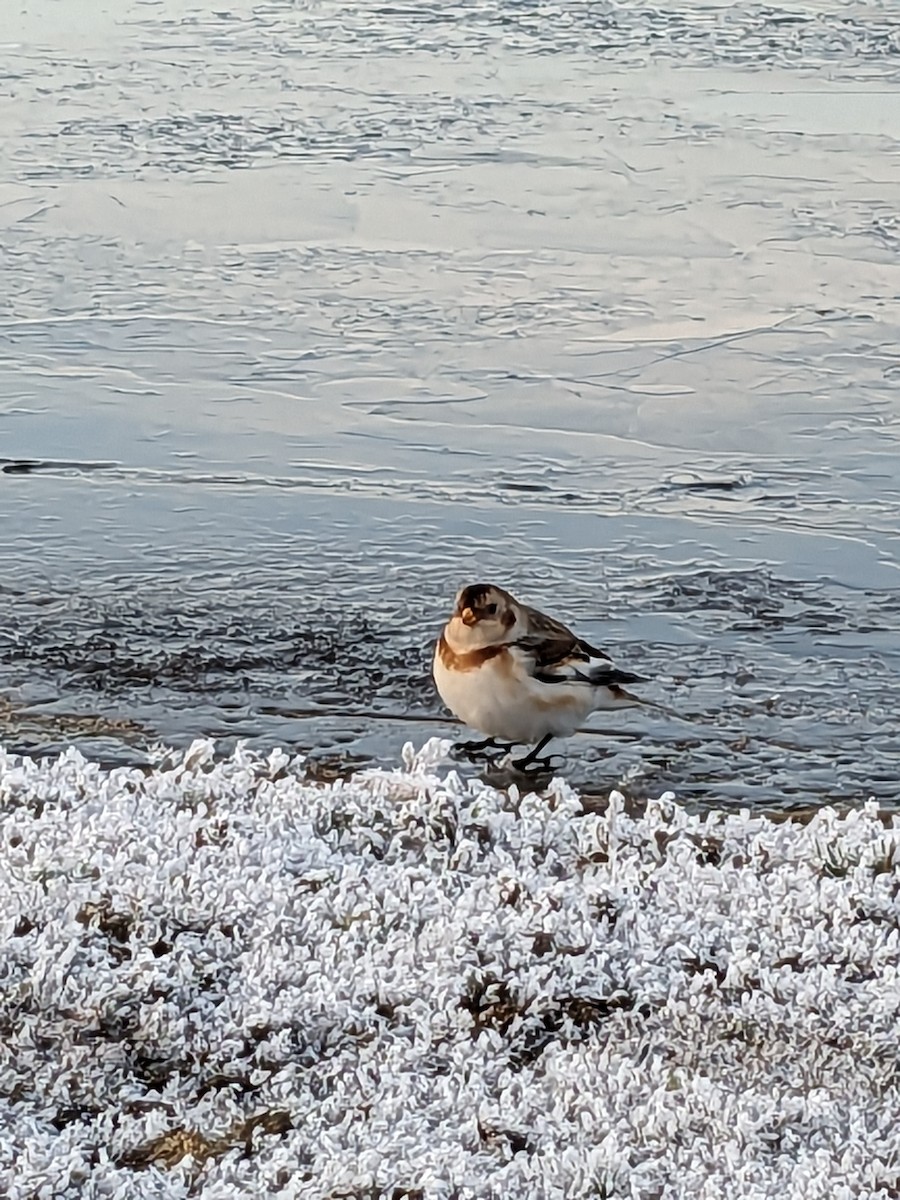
(468, 616)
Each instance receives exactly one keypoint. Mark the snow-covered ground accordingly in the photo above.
(222, 979)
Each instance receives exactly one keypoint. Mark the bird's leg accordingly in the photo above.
(532, 755)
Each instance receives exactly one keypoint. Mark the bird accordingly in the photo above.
(517, 675)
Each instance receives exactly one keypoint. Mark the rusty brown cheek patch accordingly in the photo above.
(470, 660)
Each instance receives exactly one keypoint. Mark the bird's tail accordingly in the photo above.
(609, 690)
(615, 696)
(606, 675)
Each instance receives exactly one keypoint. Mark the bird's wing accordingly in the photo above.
(551, 653)
(558, 638)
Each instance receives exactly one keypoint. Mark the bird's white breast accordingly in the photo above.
(501, 700)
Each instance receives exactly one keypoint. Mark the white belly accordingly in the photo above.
(502, 704)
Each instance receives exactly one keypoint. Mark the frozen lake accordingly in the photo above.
(312, 312)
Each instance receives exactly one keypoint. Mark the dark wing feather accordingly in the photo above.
(555, 641)
(604, 675)
(610, 676)
(559, 656)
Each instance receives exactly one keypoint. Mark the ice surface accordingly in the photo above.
(220, 978)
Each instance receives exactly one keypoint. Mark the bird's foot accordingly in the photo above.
(538, 766)
(475, 746)
(487, 748)
(532, 760)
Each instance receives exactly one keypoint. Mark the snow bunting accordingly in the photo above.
(515, 674)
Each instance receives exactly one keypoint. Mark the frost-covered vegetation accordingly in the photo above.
(221, 978)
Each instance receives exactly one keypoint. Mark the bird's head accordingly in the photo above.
(483, 615)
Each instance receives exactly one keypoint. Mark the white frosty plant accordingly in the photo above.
(219, 978)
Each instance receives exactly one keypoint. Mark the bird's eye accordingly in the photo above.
(491, 609)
